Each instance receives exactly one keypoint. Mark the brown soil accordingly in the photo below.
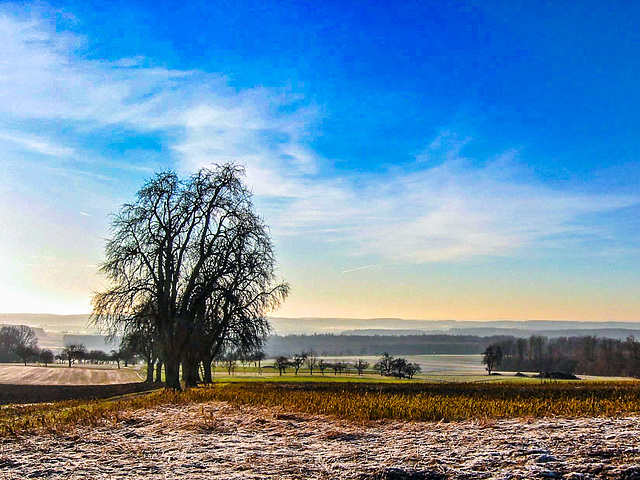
(56, 393)
(219, 441)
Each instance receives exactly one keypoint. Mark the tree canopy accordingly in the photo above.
(194, 262)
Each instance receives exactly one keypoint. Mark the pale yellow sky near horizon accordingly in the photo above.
(483, 306)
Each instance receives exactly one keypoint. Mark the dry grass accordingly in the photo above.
(460, 401)
(413, 402)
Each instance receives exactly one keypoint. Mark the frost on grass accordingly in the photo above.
(216, 440)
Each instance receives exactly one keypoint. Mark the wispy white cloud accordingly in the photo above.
(447, 208)
(445, 146)
(457, 211)
(357, 269)
(453, 211)
(36, 144)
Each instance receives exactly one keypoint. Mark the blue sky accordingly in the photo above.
(467, 160)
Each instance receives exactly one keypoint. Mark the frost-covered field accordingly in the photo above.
(216, 440)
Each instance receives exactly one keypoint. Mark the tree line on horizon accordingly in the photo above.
(588, 355)
(329, 344)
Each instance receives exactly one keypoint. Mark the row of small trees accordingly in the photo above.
(78, 353)
(19, 343)
(313, 363)
(387, 365)
(396, 367)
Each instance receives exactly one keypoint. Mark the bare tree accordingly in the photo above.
(298, 360)
(257, 357)
(281, 363)
(492, 357)
(141, 340)
(338, 367)
(383, 365)
(398, 367)
(46, 356)
(97, 356)
(184, 249)
(17, 342)
(633, 347)
(361, 365)
(411, 369)
(115, 356)
(229, 360)
(322, 366)
(74, 352)
(311, 361)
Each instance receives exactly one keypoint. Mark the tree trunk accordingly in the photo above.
(172, 374)
(149, 371)
(206, 364)
(159, 371)
(190, 373)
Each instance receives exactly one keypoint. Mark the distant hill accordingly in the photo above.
(617, 333)
(397, 326)
(53, 327)
(50, 322)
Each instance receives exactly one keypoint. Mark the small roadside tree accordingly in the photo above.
(383, 365)
(27, 352)
(46, 356)
(411, 369)
(338, 367)
(229, 360)
(74, 352)
(311, 361)
(298, 361)
(322, 365)
(361, 365)
(116, 356)
(257, 357)
(492, 358)
(281, 363)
